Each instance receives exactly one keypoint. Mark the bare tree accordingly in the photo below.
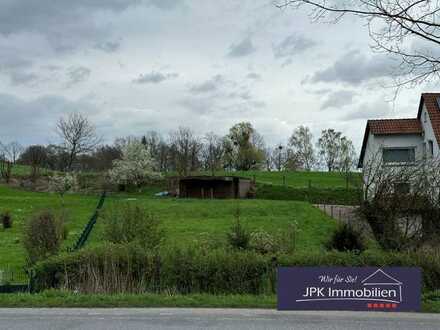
(11, 151)
(407, 29)
(34, 156)
(402, 203)
(9, 154)
(78, 135)
(212, 152)
(347, 159)
(301, 144)
(329, 148)
(185, 149)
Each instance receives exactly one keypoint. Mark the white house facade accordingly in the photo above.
(404, 141)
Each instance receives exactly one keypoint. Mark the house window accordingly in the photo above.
(399, 155)
(430, 148)
(402, 188)
(425, 117)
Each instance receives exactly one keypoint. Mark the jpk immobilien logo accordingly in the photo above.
(349, 288)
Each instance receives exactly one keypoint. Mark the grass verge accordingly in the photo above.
(63, 299)
(68, 299)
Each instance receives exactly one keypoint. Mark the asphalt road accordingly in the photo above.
(169, 318)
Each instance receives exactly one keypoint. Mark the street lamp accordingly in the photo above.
(280, 148)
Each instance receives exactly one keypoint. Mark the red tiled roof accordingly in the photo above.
(430, 101)
(389, 127)
(395, 126)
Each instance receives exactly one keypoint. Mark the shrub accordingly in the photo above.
(6, 219)
(43, 235)
(346, 238)
(238, 237)
(127, 223)
(263, 242)
(288, 237)
(129, 269)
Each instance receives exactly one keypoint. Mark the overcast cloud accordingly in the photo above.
(139, 65)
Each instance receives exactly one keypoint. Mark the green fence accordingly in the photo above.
(89, 227)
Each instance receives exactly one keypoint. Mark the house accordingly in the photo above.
(404, 141)
(211, 187)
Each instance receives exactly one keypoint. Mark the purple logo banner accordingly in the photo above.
(349, 288)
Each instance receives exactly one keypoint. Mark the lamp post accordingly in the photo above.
(280, 148)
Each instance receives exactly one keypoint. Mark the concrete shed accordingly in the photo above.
(212, 187)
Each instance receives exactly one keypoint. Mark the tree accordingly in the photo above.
(78, 135)
(244, 147)
(185, 150)
(212, 152)
(34, 156)
(11, 151)
(329, 145)
(301, 144)
(407, 29)
(135, 167)
(347, 158)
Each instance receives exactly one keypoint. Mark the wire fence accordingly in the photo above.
(13, 280)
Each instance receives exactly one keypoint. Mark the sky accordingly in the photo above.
(133, 66)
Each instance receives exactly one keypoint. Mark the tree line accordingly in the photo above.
(182, 151)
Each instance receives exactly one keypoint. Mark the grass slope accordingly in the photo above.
(297, 179)
(22, 204)
(185, 221)
(188, 221)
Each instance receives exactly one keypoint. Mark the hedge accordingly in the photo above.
(128, 269)
(339, 196)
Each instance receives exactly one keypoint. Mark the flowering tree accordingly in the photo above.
(62, 183)
(135, 167)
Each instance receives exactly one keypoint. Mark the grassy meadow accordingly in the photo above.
(185, 221)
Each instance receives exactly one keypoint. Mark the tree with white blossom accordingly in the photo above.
(135, 167)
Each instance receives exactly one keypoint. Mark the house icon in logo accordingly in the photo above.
(382, 279)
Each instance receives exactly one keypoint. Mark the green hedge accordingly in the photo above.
(125, 269)
(339, 196)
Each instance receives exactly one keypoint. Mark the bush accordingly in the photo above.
(127, 223)
(6, 219)
(346, 238)
(129, 269)
(263, 242)
(43, 235)
(238, 237)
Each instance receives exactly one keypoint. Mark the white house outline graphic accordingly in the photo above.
(393, 281)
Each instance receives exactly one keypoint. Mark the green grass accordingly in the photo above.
(187, 221)
(22, 204)
(68, 299)
(294, 179)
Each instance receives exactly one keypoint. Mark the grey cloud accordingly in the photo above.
(77, 75)
(378, 108)
(23, 78)
(355, 68)
(207, 86)
(338, 99)
(243, 48)
(166, 4)
(16, 67)
(33, 121)
(65, 24)
(108, 46)
(292, 45)
(154, 77)
(253, 76)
